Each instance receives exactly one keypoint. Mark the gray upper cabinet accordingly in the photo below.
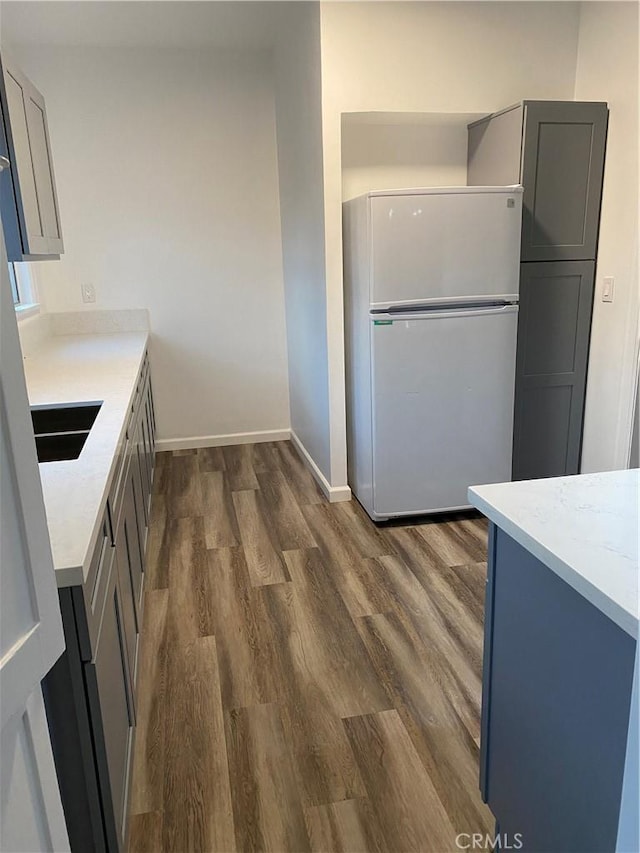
(29, 204)
(555, 149)
(562, 171)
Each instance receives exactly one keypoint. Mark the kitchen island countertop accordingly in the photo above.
(583, 527)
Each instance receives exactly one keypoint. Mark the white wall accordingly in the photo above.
(607, 70)
(167, 180)
(301, 203)
(393, 155)
(426, 57)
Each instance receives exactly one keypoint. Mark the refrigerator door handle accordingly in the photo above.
(384, 318)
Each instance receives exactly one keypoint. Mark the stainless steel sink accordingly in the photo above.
(61, 431)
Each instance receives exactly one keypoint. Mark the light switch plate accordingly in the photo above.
(607, 288)
(88, 293)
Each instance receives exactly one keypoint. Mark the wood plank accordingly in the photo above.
(351, 573)
(220, 523)
(243, 636)
(162, 472)
(459, 675)
(330, 652)
(184, 496)
(148, 766)
(301, 480)
(397, 785)
(239, 467)
(190, 607)
(451, 598)
(158, 544)
(348, 826)
(448, 548)
(356, 525)
(145, 832)
(211, 459)
(290, 527)
(262, 550)
(412, 674)
(324, 763)
(197, 808)
(264, 457)
(266, 802)
(474, 577)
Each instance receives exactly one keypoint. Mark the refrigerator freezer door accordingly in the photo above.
(444, 247)
(442, 403)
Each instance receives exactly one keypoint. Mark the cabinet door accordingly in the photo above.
(138, 486)
(107, 679)
(134, 542)
(562, 170)
(150, 435)
(32, 169)
(126, 569)
(551, 367)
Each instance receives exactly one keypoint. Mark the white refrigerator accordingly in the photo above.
(431, 309)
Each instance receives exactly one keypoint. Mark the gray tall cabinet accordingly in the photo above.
(555, 149)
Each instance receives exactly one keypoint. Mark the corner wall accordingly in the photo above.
(607, 70)
(167, 180)
(299, 134)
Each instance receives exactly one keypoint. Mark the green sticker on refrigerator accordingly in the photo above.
(383, 322)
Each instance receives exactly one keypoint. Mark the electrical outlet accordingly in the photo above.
(607, 288)
(88, 293)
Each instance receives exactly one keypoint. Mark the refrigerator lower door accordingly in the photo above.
(443, 388)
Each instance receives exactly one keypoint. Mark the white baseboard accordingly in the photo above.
(333, 493)
(190, 442)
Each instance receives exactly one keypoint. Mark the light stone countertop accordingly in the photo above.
(76, 368)
(584, 528)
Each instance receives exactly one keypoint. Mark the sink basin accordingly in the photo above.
(61, 431)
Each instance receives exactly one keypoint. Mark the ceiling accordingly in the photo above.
(130, 23)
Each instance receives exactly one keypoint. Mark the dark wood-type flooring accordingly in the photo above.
(307, 680)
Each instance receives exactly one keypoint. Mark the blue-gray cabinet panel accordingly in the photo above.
(556, 700)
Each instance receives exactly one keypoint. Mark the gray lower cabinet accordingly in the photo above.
(128, 560)
(108, 680)
(28, 200)
(556, 698)
(554, 325)
(90, 694)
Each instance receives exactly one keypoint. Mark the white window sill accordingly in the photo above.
(28, 310)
